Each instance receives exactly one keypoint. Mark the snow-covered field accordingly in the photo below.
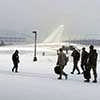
(37, 80)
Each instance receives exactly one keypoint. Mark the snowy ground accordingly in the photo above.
(37, 80)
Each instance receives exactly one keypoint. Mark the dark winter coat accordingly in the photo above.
(15, 58)
(76, 55)
(62, 59)
(84, 57)
(92, 58)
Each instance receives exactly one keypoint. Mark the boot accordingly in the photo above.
(12, 69)
(87, 80)
(94, 81)
(72, 72)
(16, 71)
(59, 78)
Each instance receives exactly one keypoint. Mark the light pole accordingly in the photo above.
(35, 58)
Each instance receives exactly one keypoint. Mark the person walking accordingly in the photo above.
(15, 59)
(76, 56)
(62, 61)
(92, 63)
(84, 57)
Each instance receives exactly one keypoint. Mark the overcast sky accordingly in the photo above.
(78, 16)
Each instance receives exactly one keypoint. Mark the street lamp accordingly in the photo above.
(35, 58)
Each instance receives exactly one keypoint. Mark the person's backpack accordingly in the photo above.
(57, 69)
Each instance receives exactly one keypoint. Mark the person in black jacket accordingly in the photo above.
(76, 56)
(95, 66)
(84, 57)
(15, 59)
(92, 63)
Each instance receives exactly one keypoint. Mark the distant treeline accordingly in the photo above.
(85, 42)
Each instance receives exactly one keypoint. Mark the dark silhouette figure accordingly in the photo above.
(76, 56)
(92, 63)
(84, 57)
(15, 59)
(61, 62)
(94, 67)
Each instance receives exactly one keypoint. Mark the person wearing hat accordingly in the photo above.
(62, 61)
(84, 57)
(15, 59)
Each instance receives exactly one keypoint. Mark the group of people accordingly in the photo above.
(88, 62)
